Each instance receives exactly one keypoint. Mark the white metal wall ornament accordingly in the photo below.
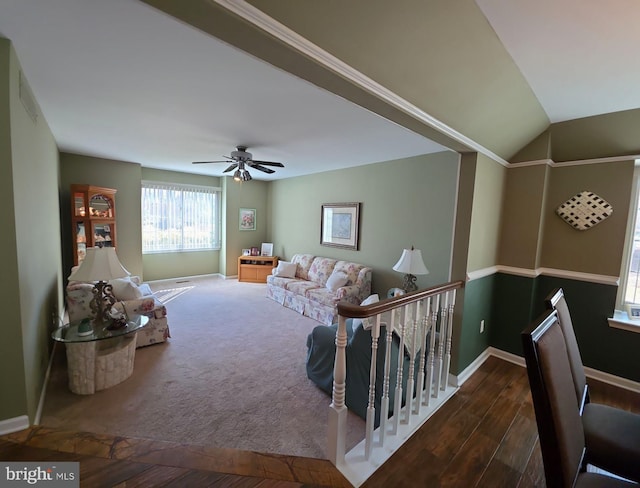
(584, 210)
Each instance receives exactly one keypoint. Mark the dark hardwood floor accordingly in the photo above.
(485, 436)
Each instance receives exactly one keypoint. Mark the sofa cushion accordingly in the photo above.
(321, 269)
(322, 296)
(336, 280)
(300, 287)
(285, 269)
(304, 263)
(125, 289)
(352, 270)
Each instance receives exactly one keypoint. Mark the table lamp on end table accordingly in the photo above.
(411, 264)
(100, 265)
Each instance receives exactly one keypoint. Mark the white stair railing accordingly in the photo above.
(421, 323)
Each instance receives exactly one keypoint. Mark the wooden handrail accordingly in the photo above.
(350, 310)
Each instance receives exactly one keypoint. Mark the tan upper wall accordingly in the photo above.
(488, 191)
(600, 136)
(523, 206)
(599, 249)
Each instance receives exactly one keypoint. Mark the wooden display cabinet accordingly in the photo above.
(255, 269)
(93, 219)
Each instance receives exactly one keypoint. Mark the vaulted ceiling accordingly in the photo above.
(318, 85)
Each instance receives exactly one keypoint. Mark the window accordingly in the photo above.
(179, 217)
(629, 291)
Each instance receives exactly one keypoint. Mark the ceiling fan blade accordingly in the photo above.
(262, 168)
(231, 168)
(269, 163)
(208, 162)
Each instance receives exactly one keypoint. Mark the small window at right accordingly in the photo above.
(629, 291)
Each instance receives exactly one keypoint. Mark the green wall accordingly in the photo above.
(407, 202)
(253, 194)
(125, 178)
(31, 289)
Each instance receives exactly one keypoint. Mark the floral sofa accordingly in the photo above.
(313, 285)
(132, 297)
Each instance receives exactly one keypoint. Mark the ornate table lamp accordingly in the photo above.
(100, 265)
(411, 264)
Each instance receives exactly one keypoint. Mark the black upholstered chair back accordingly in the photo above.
(556, 301)
(550, 377)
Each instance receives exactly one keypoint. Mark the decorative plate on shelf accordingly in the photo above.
(584, 210)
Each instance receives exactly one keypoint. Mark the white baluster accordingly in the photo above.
(397, 400)
(338, 410)
(441, 340)
(384, 404)
(371, 407)
(431, 365)
(424, 321)
(447, 353)
(412, 362)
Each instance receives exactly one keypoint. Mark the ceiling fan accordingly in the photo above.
(241, 161)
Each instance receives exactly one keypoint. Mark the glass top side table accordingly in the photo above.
(101, 359)
(69, 332)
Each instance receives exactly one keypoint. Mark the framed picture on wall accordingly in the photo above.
(339, 225)
(247, 219)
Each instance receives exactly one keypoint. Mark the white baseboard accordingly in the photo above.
(15, 424)
(595, 374)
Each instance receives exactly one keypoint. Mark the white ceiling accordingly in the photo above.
(580, 57)
(113, 80)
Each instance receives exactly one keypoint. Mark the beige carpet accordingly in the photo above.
(232, 375)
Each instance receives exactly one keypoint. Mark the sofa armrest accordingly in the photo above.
(363, 282)
(149, 306)
(349, 294)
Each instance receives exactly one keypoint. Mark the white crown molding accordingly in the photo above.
(577, 162)
(533, 273)
(294, 40)
(537, 162)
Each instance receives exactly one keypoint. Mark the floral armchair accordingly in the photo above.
(133, 298)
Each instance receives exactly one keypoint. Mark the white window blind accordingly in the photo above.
(179, 217)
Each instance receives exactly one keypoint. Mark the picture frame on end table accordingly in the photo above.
(247, 219)
(266, 249)
(339, 225)
(246, 252)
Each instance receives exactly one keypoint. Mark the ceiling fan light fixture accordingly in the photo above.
(237, 176)
(246, 176)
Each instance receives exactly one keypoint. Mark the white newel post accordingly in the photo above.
(338, 409)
